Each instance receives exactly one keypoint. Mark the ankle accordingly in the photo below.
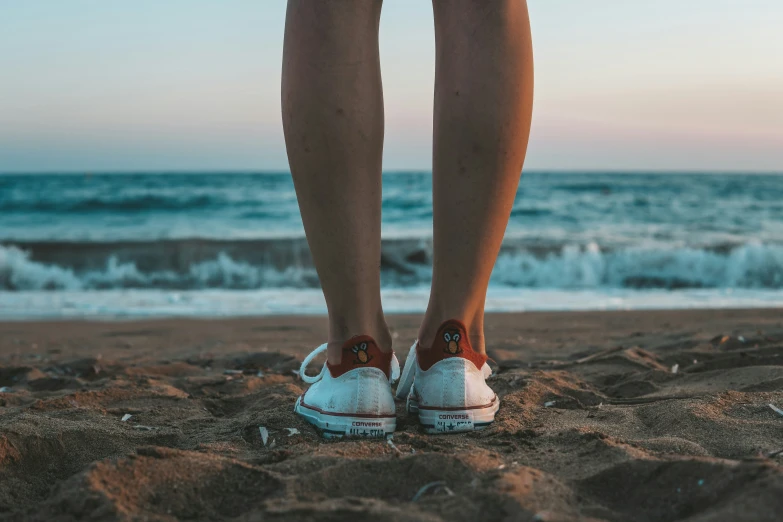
(341, 329)
(474, 324)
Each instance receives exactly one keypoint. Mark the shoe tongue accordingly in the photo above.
(361, 351)
(450, 341)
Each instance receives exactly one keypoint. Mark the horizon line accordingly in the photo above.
(556, 171)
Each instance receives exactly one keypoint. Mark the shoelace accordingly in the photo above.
(395, 367)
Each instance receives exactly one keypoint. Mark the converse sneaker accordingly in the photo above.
(353, 398)
(446, 384)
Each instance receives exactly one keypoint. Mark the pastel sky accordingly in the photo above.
(194, 84)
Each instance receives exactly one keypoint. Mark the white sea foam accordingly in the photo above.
(753, 265)
(750, 266)
(136, 304)
(19, 273)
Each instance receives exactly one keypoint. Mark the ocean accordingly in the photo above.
(217, 244)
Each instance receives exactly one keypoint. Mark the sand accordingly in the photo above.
(594, 424)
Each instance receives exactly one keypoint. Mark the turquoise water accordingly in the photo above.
(609, 239)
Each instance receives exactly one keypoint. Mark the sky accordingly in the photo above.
(94, 85)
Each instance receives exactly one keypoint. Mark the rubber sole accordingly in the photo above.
(339, 426)
(454, 421)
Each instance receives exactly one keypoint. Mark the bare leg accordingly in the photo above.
(333, 121)
(483, 105)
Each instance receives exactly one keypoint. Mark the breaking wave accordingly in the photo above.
(246, 265)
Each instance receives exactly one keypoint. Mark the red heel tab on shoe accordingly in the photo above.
(451, 341)
(361, 351)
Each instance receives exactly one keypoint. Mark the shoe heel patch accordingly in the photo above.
(361, 351)
(450, 341)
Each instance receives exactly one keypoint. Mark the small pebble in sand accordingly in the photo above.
(292, 431)
(776, 409)
(126, 417)
(549, 404)
(391, 444)
(701, 482)
(264, 434)
(432, 486)
(675, 368)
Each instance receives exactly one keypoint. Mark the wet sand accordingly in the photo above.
(594, 424)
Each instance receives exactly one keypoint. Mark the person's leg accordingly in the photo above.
(483, 105)
(333, 120)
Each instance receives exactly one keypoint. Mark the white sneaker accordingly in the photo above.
(353, 398)
(446, 384)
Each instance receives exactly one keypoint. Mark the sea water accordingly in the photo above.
(159, 244)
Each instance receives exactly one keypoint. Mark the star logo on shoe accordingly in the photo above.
(362, 357)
